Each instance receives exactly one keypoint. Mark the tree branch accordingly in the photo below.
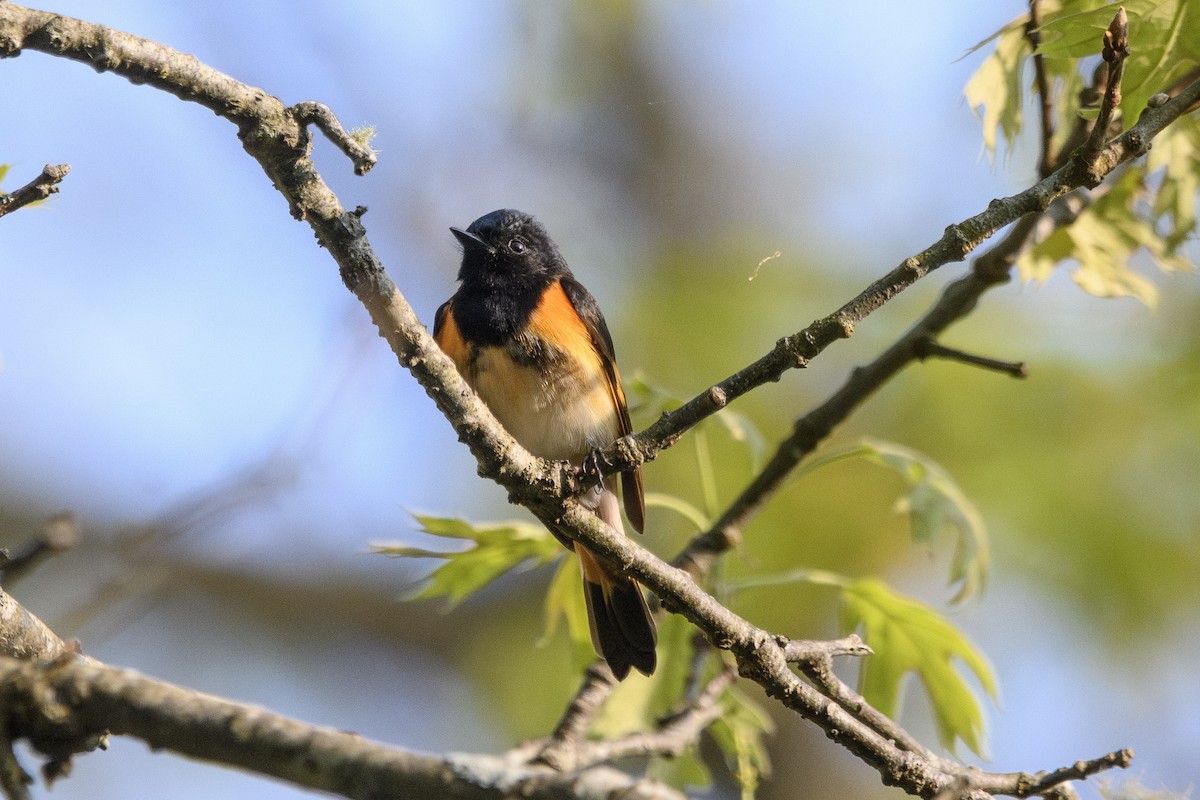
(24, 636)
(1041, 783)
(926, 347)
(36, 190)
(597, 684)
(277, 138)
(1116, 50)
(59, 534)
(673, 737)
(1048, 161)
(63, 707)
(355, 149)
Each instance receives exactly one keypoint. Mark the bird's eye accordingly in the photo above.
(518, 246)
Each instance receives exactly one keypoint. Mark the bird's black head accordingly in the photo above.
(508, 245)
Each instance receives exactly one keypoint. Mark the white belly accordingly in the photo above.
(562, 417)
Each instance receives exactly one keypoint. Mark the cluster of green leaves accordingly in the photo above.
(910, 637)
(1151, 206)
(495, 548)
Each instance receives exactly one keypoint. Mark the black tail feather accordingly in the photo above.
(622, 628)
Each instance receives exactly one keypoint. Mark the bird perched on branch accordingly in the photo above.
(531, 341)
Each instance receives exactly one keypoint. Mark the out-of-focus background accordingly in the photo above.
(182, 369)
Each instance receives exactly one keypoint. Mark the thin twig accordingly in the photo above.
(671, 738)
(819, 670)
(1048, 161)
(701, 650)
(319, 114)
(36, 190)
(58, 535)
(798, 650)
(1031, 785)
(598, 683)
(1116, 50)
(928, 347)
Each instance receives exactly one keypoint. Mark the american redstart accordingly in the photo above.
(531, 341)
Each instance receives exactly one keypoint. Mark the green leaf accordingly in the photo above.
(741, 733)
(934, 503)
(1106, 236)
(741, 429)
(4, 168)
(995, 90)
(814, 576)
(565, 606)
(497, 548)
(908, 636)
(1164, 38)
(1176, 154)
(1077, 28)
(681, 507)
(682, 771)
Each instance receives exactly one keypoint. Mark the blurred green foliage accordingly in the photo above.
(1083, 474)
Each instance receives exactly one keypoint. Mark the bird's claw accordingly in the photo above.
(595, 463)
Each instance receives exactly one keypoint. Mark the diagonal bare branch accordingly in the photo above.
(64, 705)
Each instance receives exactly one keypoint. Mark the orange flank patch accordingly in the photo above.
(450, 339)
(556, 320)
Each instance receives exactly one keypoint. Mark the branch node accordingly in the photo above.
(845, 326)
(960, 244)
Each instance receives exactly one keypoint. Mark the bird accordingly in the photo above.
(532, 342)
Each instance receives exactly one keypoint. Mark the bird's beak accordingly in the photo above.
(471, 241)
